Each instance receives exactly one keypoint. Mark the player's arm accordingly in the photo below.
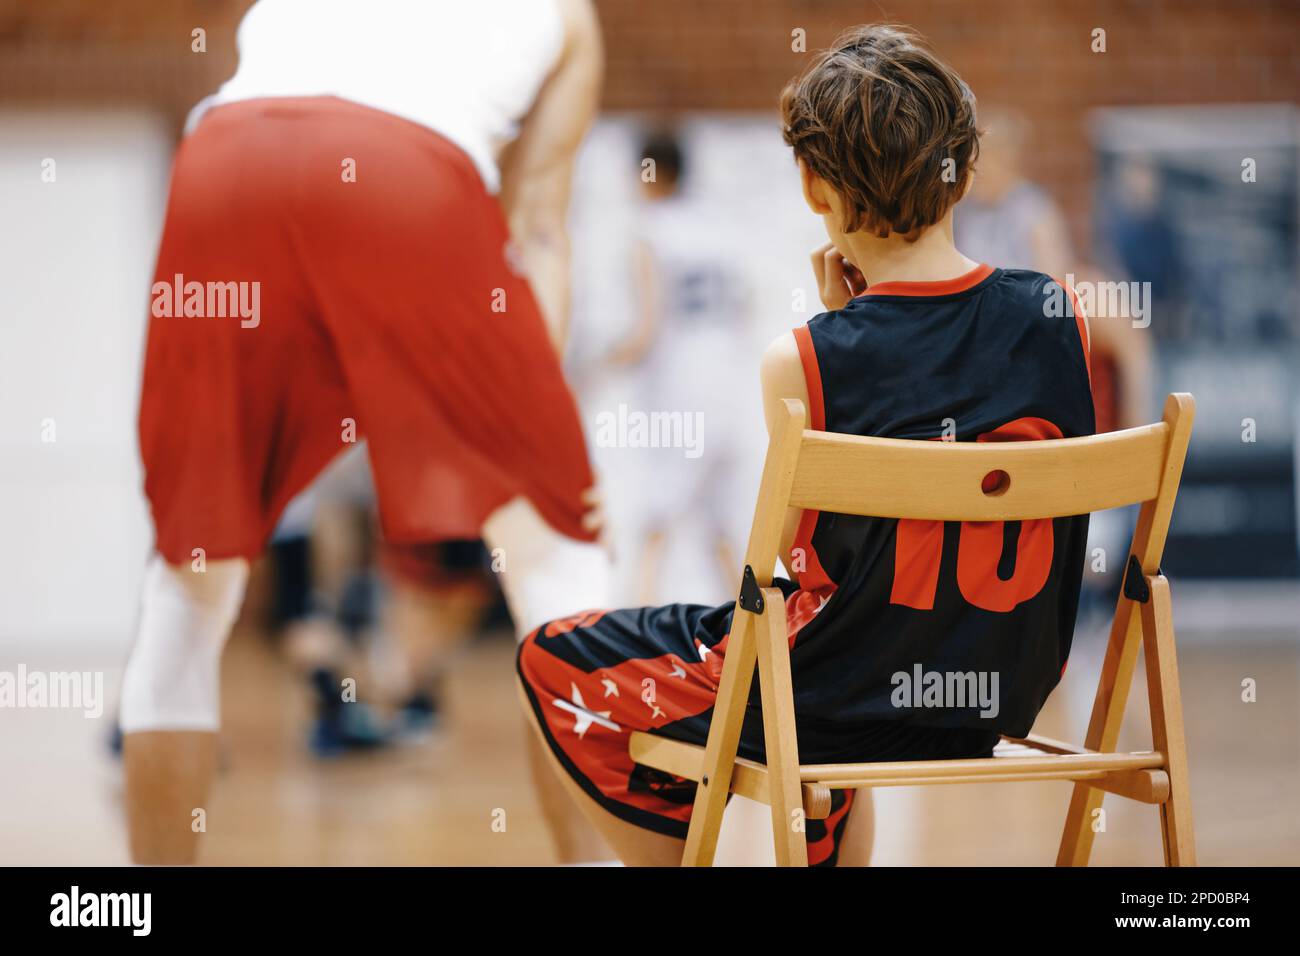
(646, 278)
(537, 168)
(1111, 336)
(1130, 349)
(1049, 242)
(781, 375)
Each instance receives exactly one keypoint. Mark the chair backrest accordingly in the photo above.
(938, 480)
(970, 481)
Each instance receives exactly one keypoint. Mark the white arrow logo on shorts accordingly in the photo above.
(584, 718)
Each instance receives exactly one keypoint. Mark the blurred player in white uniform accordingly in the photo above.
(692, 320)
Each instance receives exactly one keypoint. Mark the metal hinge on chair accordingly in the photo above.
(1135, 582)
(751, 595)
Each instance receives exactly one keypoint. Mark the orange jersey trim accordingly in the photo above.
(942, 287)
(1081, 323)
(812, 376)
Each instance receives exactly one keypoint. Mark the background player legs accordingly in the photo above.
(729, 567)
(652, 556)
(327, 592)
(429, 627)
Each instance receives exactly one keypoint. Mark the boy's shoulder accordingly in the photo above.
(1036, 284)
(1049, 298)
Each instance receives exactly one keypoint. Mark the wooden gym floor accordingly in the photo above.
(435, 803)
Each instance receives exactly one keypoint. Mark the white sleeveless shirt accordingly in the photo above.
(468, 69)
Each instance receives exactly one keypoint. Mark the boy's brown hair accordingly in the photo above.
(875, 116)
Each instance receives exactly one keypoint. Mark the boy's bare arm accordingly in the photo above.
(537, 168)
(781, 375)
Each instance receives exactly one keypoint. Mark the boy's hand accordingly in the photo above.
(838, 280)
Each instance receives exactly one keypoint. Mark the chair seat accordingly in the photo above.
(1139, 776)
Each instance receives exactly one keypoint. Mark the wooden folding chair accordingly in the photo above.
(944, 481)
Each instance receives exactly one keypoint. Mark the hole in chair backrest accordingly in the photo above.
(995, 483)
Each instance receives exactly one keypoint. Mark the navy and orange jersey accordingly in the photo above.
(995, 355)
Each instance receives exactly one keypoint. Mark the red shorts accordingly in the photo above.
(387, 302)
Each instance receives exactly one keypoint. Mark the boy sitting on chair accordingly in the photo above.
(918, 342)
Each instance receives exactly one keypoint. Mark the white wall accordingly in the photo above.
(76, 256)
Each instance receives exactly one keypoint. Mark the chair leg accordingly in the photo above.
(1167, 723)
(1103, 729)
(724, 738)
(785, 795)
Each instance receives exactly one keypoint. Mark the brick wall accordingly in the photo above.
(666, 55)
(115, 51)
(1032, 55)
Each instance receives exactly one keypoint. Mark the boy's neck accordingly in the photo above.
(931, 258)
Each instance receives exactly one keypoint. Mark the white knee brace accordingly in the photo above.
(172, 677)
(545, 575)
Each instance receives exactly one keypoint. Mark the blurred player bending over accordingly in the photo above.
(351, 170)
(915, 336)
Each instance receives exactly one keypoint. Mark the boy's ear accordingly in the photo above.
(970, 181)
(814, 190)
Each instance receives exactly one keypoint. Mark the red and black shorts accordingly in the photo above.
(593, 678)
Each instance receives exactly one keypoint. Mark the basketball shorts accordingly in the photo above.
(593, 678)
(327, 273)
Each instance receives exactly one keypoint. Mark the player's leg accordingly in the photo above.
(590, 680)
(170, 703)
(578, 838)
(850, 835)
(652, 559)
(859, 831)
(437, 600)
(634, 845)
(239, 411)
(316, 553)
(430, 626)
(728, 562)
(546, 575)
